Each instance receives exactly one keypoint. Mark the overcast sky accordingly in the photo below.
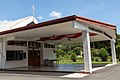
(103, 10)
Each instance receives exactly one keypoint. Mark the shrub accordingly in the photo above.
(95, 52)
(103, 54)
(92, 58)
(97, 59)
(118, 57)
(109, 58)
(73, 57)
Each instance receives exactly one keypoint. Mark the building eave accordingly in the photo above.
(56, 21)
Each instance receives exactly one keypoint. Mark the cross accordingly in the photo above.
(33, 10)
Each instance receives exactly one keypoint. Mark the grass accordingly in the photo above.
(71, 62)
(83, 62)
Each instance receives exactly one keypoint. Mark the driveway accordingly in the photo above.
(108, 73)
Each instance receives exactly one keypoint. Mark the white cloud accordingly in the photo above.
(5, 22)
(39, 17)
(55, 14)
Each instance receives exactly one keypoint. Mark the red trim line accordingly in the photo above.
(95, 21)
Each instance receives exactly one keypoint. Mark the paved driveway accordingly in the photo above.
(109, 73)
(33, 76)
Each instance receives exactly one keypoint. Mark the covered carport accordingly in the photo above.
(69, 29)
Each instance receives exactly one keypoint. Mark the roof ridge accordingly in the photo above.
(20, 21)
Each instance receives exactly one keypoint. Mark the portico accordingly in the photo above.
(69, 29)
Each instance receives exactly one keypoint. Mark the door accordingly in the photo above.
(33, 57)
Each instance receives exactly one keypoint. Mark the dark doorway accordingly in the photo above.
(33, 57)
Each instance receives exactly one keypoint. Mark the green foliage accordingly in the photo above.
(59, 52)
(73, 57)
(99, 54)
(118, 39)
(118, 51)
(109, 58)
(101, 44)
(97, 59)
(103, 54)
(95, 52)
(77, 50)
(67, 49)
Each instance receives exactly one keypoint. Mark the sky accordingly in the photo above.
(102, 10)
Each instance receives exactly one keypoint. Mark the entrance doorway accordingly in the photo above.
(33, 57)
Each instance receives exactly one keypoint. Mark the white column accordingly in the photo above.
(0, 54)
(87, 51)
(3, 53)
(114, 60)
(41, 54)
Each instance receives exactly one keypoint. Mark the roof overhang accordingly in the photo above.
(64, 26)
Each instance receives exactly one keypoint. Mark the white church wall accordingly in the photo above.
(14, 64)
(17, 63)
(48, 53)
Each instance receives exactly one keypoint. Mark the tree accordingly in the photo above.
(95, 54)
(103, 54)
(59, 52)
(118, 39)
(73, 57)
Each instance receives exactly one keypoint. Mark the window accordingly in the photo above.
(32, 44)
(17, 43)
(24, 55)
(49, 45)
(14, 55)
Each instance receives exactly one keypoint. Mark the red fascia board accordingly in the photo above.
(95, 21)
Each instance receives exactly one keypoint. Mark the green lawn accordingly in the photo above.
(83, 62)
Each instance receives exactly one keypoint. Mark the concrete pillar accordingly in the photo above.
(2, 53)
(87, 52)
(114, 60)
(41, 54)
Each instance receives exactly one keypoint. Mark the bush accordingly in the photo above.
(103, 54)
(97, 59)
(73, 57)
(109, 58)
(92, 58)
(95, 52)
(59, 52)
(118, 57)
